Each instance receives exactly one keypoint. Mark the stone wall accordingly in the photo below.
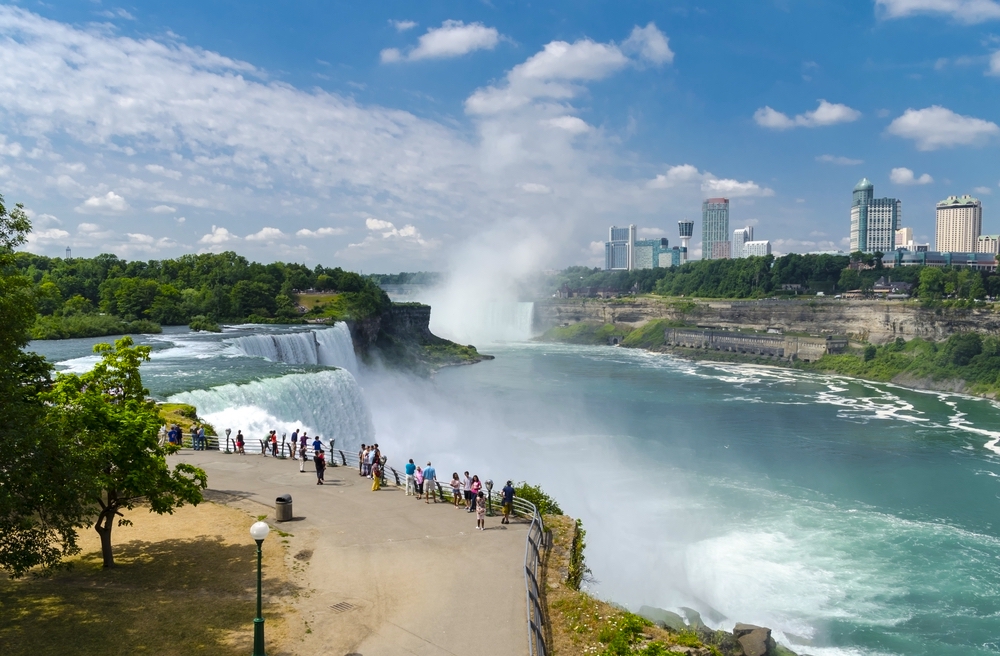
(875, 321)
(792, 347)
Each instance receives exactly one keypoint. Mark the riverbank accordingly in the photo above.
(967, 363)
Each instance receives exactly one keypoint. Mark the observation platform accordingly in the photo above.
(385, 574)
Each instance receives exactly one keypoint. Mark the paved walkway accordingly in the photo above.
(421, 579)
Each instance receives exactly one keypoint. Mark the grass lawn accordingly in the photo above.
(185, 584)
(310, 301)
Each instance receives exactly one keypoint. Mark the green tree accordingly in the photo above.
(251, 297)
(39, 508)
(109, 415)
(932, 283)
(48, 298)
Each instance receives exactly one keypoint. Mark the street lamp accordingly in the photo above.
(258, 532)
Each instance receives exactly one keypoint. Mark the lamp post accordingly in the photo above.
(258, 532)
(489, 497)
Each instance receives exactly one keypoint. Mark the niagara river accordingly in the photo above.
(851, 517)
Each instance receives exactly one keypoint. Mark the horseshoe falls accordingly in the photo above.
(853, 518)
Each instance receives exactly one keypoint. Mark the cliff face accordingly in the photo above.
(875, 321)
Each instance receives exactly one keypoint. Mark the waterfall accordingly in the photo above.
(326, 403)
(331, 347)
(482, 322)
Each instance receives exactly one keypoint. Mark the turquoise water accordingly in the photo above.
(851, 517)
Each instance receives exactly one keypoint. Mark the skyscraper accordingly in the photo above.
(618, 250)
(873, 220)
(685, 229)
(715, 229)
(959, 224)
(740, 237)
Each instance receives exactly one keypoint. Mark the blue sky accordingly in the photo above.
(399, 136)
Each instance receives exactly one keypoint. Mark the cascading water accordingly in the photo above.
(330, 347)
(484, 322)
(327, 403)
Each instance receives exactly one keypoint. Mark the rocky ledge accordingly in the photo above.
(744, 640)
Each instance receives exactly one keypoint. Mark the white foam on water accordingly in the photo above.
(330, 347)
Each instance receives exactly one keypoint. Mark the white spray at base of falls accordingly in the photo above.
(326, 403)
(483, 322)
(331, 347)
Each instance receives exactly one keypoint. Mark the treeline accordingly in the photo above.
(407, 278)
(760, 277)
(108, 295)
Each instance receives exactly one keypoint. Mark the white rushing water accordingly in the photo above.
(330, 347)
(484, 322)
(329, 404)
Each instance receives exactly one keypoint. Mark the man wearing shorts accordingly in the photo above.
(507, 500)
(430, 480)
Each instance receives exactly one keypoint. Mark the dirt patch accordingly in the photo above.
(185, 584)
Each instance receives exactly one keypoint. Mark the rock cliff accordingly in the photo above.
(878, 322)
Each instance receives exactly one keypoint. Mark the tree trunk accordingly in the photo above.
(105, 522)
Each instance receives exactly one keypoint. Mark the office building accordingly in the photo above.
(740, 237)
(715, 229)
(618, 249)
(651, 254)
(758, 248)
(903, 237)
(988, 244)
(968, 260)
(873, 220)
(958, 225)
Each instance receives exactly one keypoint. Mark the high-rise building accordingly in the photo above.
(758, 248)
(715, 229)
(618, 250)
(69, 253)
(873, 220)
(686, 229)
(903, 237)
(959, 223)
(651, 254)
(988, 244)
(740, 237)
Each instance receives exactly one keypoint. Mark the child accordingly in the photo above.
(456, 489)
(481, 511)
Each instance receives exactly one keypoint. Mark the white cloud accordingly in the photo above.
(88, 227)
(305, 233)
(47, 237)
(10, 149)
(686, 174)
(165, 172)
(554, 72)
(569, 123)
(986, 191)
(266, 234)
(403, 25)
(826, 113)
(650, 43)
(452, 39)
(652, 233)
(138, 242)
(904, 176)
(163, 209)
(385, 237)
(963, 11)
(218, 236)
(107, 204)
(842, 161)
(180, 219)
(534, 188)
(994, 64)
(938, 127)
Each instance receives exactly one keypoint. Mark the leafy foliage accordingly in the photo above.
(546, 505)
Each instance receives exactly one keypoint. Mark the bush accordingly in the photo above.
(870, 352)
(203, 323)
(546, 505)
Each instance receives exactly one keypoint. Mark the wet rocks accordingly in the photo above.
(755, 640)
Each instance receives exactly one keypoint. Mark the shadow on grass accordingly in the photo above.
(165, 598)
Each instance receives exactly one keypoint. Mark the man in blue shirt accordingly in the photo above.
(430, 482)
(507, 496)
(411, 482)
(317, 445)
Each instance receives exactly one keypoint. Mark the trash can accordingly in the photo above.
(283, 508)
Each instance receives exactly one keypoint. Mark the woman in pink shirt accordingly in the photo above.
(476, 487)
(418, 478)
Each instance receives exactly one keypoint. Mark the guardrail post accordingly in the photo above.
(343, 459)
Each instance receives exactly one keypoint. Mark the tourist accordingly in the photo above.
(194, 436)
(303, 440)
(361, 460)
(467, 486)
(411, 483)
(320, 463)
(317, 445)
(371, 459)
(430, 480)
(376, 476)
(456, 489)
(476, 491)
(507, 502)
(302, 458)
(480, 500)
(274, 444)
(295, 441)
(202, 440)
(418, 478)
(239, 443)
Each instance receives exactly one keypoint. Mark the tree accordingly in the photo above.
(39, 507)
(115, 425)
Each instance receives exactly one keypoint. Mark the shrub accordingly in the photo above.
(546, 505)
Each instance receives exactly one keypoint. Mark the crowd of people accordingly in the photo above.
(199, 442)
